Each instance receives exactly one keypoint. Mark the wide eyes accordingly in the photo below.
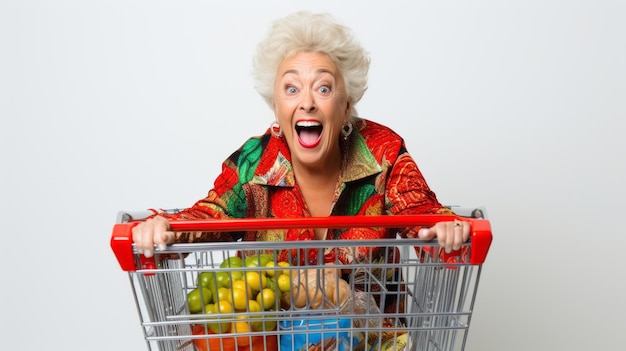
(323, 89)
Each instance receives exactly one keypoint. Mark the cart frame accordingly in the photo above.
(439, 288)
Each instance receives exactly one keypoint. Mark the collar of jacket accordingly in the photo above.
(360, 163)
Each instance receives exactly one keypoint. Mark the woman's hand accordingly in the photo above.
(450, 235)
(153, 231)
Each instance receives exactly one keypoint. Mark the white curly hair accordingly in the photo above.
(311, 32)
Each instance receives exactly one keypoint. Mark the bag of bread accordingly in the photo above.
(316, 288)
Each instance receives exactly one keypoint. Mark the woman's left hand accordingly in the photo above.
(450, 235)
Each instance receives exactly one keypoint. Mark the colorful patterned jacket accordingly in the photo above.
(378, 177)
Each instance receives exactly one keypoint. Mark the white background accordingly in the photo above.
(517, 106)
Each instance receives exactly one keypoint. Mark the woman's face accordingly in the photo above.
(311, 106)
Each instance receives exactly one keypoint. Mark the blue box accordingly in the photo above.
(301, 337)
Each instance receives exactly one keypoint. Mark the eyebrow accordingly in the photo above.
(319, 71)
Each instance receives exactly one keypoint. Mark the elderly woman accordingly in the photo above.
(318, 158)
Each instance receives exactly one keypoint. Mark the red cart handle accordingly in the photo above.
(481, 237)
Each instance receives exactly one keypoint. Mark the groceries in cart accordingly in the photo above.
(252, 292)
(265, 287)
(242, 293)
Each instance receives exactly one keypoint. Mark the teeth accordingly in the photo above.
(305, 124)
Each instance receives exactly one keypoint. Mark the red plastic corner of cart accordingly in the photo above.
(481, 241)
(122, 245)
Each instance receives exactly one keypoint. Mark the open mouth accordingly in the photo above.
(309, 133)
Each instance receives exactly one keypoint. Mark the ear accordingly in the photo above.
(348, 106)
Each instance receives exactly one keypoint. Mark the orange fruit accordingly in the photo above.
(284, 283)
(241, 326)
(238, 298)
(241, 284)
(266, 298)
(256, 280)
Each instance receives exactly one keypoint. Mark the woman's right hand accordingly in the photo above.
(451, 235)
(152, 232)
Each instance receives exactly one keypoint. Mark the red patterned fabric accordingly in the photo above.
(378, 177)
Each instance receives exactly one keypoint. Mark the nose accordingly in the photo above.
(307, 103)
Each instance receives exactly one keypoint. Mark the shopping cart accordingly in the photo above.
(283, 300)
